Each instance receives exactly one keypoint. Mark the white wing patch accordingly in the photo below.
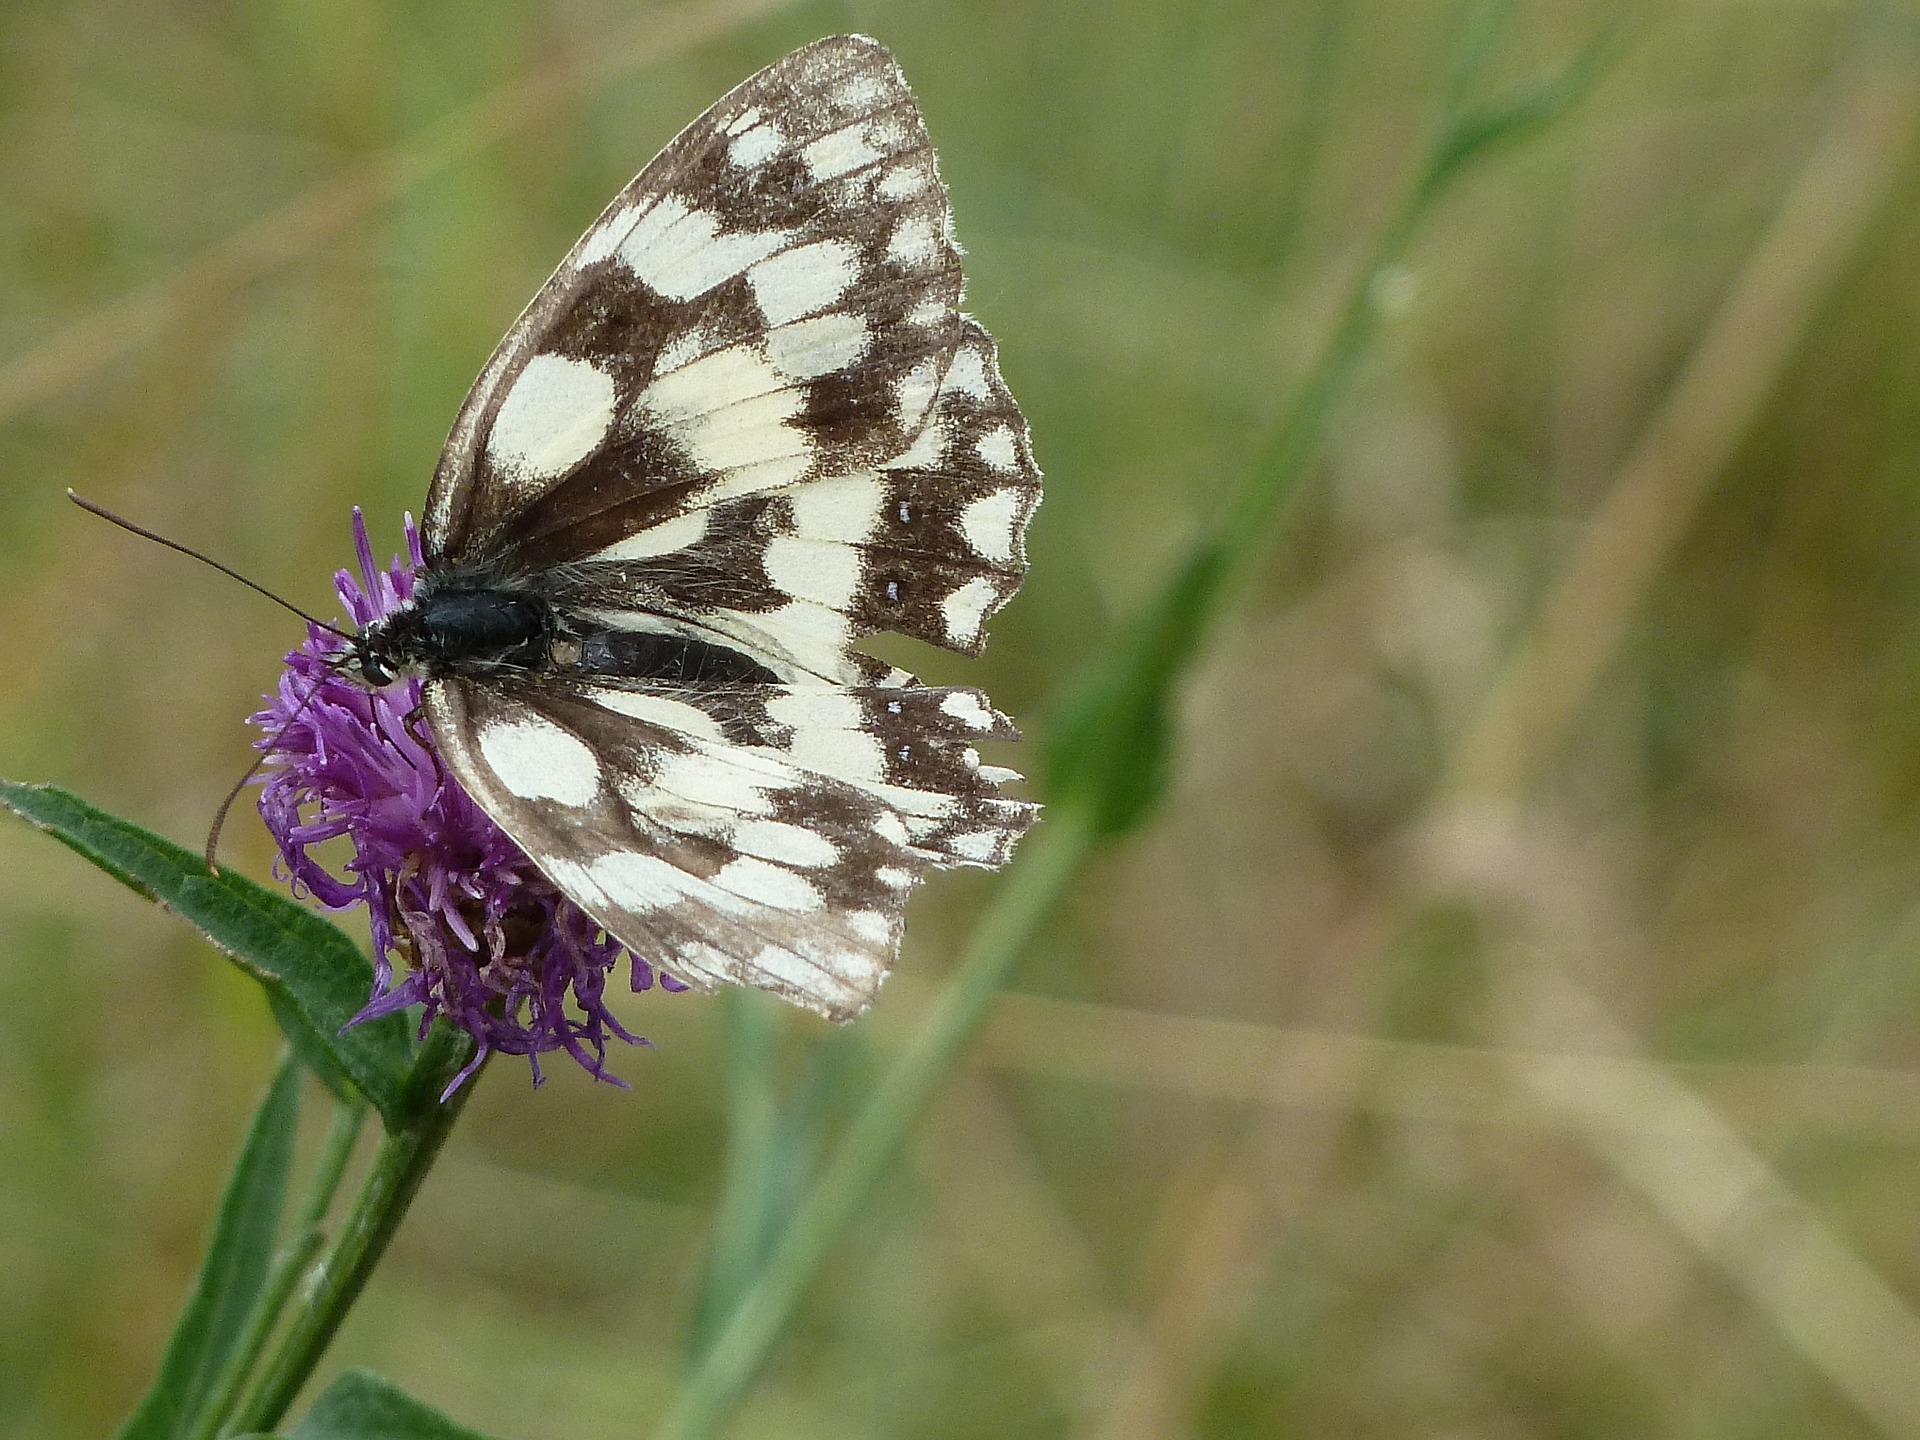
(818, 346)
(803, 280)
(820, 574)
(712, 781)
(680, 251)
(999, 447)
(913, 243)
(679, 533)
(768, 884)
(728, 410)
(537, 760)
(840, 152)
(845, 508)
(661, 710)
(756, 145)
(965, 610)
(787, 844)
(556, 414)
(991, 524)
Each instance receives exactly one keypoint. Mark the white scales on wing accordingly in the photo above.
(744, 425)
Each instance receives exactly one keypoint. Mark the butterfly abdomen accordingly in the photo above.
(651, 655)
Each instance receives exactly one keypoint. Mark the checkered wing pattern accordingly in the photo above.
(764, 835)
(748, 397)
(748, 409)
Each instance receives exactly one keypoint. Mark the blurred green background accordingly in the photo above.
(1507, 1027)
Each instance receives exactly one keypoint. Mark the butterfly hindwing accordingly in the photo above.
(764, 835)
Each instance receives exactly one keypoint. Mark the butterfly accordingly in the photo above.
(744, 425)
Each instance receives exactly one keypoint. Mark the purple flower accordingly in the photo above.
(490, 942)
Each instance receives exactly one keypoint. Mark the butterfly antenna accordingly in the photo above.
(220, 815)
(144, 533)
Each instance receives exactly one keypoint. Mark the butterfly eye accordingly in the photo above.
(375, 671)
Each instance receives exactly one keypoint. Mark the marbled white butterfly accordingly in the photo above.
(743, 425)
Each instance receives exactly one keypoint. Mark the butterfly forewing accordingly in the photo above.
(747, 412)
(772, 298)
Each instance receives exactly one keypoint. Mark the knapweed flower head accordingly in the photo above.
(489, 941)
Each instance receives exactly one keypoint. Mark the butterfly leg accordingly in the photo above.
(414, 723)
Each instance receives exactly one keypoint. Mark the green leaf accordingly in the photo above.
(238, 1259)
(360, 1405)
(316, 978)
(313, 1049)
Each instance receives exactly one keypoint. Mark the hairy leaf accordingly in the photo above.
(315, 977)
(360, 1405)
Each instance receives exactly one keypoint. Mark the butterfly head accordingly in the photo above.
(370, 666)
(372, 657)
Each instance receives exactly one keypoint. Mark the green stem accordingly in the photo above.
(744, 1217)
(1048, 862)
(303, 1243)
(399, 1166)
(347, 1120)
(1045, 866)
